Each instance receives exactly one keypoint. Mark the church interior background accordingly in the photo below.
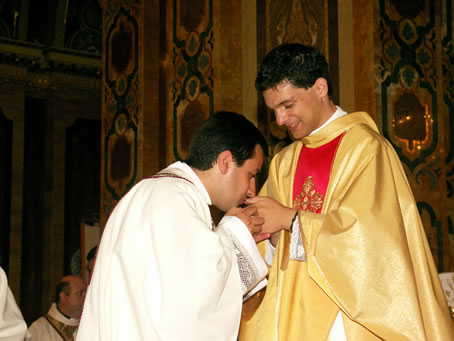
(97, 94)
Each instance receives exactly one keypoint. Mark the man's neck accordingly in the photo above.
(338, 112)
(205, 178)
(61, 312)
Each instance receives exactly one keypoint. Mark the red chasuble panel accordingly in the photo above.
(312, 175)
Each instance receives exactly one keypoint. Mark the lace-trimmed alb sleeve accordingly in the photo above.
(252, 268)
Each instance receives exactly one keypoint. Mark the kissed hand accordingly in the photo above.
(250, 218)
(277, 216)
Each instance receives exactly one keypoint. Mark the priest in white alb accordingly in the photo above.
(164, 270)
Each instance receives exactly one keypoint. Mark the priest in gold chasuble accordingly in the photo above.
(354, 263)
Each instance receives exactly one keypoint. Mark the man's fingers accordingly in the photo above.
(250, 210)
(257, 220)
(254, 199)
(254, 224)
(233, 211)
(260, 236)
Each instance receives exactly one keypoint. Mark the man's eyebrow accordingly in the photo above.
(286, 100)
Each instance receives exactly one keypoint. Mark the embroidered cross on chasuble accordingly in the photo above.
(312, 176)
(64, 330)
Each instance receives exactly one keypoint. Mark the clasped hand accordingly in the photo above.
(250, 218)
(264, 216)
(277, 216)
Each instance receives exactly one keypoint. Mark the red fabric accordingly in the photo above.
(312, 175)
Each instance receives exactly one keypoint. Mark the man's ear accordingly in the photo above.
(224, 161)
(321, 85)
(61, 298)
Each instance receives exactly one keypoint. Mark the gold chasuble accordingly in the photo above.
(366, 249)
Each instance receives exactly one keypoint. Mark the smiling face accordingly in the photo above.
(300, 110)
(240, 182)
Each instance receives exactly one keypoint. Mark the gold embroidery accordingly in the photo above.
(64, 330)
(308, 199)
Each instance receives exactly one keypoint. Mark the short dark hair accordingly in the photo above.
(64, 287)
(299, 64)
(224, 130)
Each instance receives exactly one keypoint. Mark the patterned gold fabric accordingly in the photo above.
(367, 253)
(65, 331)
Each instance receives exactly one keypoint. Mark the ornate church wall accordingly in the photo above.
(402, 73)
(389, 58)
(42, 99)
(167, 65)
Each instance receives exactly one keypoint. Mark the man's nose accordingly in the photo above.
(280, 116)
(252, 190)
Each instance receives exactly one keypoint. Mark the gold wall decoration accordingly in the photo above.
(297, 21)
(192, 87)
(412, 122)
(39, 68)
(413, 83)
(121, 115)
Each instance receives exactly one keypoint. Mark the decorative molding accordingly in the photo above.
(192, 46)
(121, 113)
(40, 68)
(408, 67)
(416, 81)
(434, 233)
(83, 26)
(448, 95)
(297, 21)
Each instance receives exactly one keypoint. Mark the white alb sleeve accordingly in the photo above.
(297, 251)
(253, 269)
(269, 252)
(12, 324)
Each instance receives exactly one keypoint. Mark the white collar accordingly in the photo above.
(338, 113)
(56, 314)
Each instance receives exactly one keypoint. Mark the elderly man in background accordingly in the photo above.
(62, 320)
